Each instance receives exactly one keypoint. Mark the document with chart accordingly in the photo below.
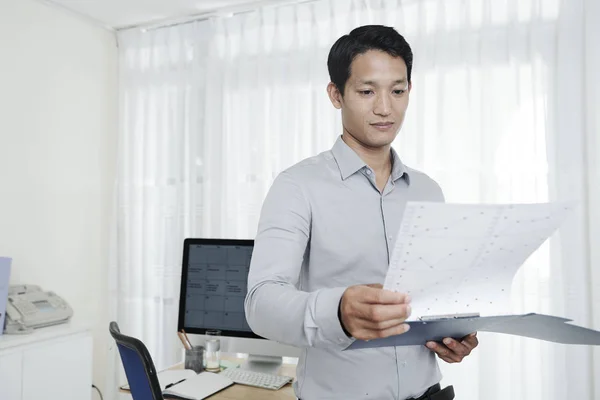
(458, 261)
(459, 258)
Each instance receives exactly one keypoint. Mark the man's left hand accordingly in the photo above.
(453, 351)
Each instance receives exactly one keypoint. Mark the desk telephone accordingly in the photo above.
(29, 308)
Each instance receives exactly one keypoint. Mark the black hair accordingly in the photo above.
(361, 40)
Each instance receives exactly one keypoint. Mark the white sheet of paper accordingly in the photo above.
(462, 258)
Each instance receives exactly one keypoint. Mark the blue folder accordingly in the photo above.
(538, 326)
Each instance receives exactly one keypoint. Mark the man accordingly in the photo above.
(326, 233)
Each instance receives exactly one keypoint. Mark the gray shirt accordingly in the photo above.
(325, 226)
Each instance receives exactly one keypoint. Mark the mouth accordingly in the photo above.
(383, 126)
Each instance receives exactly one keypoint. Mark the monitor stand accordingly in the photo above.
(265, 364)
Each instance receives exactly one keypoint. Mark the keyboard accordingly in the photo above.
(256, 379)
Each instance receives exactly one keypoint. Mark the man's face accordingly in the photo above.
(375, 98)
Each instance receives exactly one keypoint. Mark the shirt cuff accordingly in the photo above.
(326, 317)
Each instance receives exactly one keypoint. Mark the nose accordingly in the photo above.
(383, 106)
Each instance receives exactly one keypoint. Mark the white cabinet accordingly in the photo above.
(51, 369)
(51, 363)
(10, 375)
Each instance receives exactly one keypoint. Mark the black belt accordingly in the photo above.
(436, 393)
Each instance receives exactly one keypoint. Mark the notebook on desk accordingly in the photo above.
(198, 387)
(186, 384)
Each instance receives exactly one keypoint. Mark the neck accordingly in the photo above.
(377, 158)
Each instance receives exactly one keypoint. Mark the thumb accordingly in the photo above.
(375, 285)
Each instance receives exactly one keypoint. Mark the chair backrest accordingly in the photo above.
(138, 365)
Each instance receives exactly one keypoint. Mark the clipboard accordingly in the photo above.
(532, 325)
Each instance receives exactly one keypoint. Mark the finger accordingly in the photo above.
(366, 334)
(470, 341)
(470, 335)
(380, 326)
(451, 357)
(382, 296)
(448, 360)
(443, 352)
(375, 285)
(380, 313)
(457, 347)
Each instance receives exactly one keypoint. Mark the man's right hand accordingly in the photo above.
(370, 312)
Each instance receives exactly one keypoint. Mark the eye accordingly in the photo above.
(399, 91)
(365, 92)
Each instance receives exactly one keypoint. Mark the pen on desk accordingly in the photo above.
(173, 384)
(186, 345)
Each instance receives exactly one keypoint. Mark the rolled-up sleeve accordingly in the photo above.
(275, 308)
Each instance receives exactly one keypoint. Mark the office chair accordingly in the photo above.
(138, 365)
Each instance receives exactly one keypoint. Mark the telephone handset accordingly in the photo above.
(29, 308)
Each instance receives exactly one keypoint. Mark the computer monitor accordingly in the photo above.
(214, 279)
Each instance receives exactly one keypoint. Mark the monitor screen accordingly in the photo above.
(213, 286)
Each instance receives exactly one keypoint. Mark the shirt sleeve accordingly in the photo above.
(275, 308)
(439, 193)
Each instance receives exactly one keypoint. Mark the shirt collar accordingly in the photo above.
(398, 168)
(349, 162)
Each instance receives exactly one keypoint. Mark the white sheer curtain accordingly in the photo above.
(503, 109)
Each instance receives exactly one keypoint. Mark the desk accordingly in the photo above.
(237, 392)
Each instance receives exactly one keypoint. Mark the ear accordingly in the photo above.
(334, 95)
(409, 86)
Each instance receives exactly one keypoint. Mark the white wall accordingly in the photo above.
(58, 123)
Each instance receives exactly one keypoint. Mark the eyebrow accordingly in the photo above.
(373, 83)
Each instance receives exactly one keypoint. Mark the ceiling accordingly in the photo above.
(119, 14)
